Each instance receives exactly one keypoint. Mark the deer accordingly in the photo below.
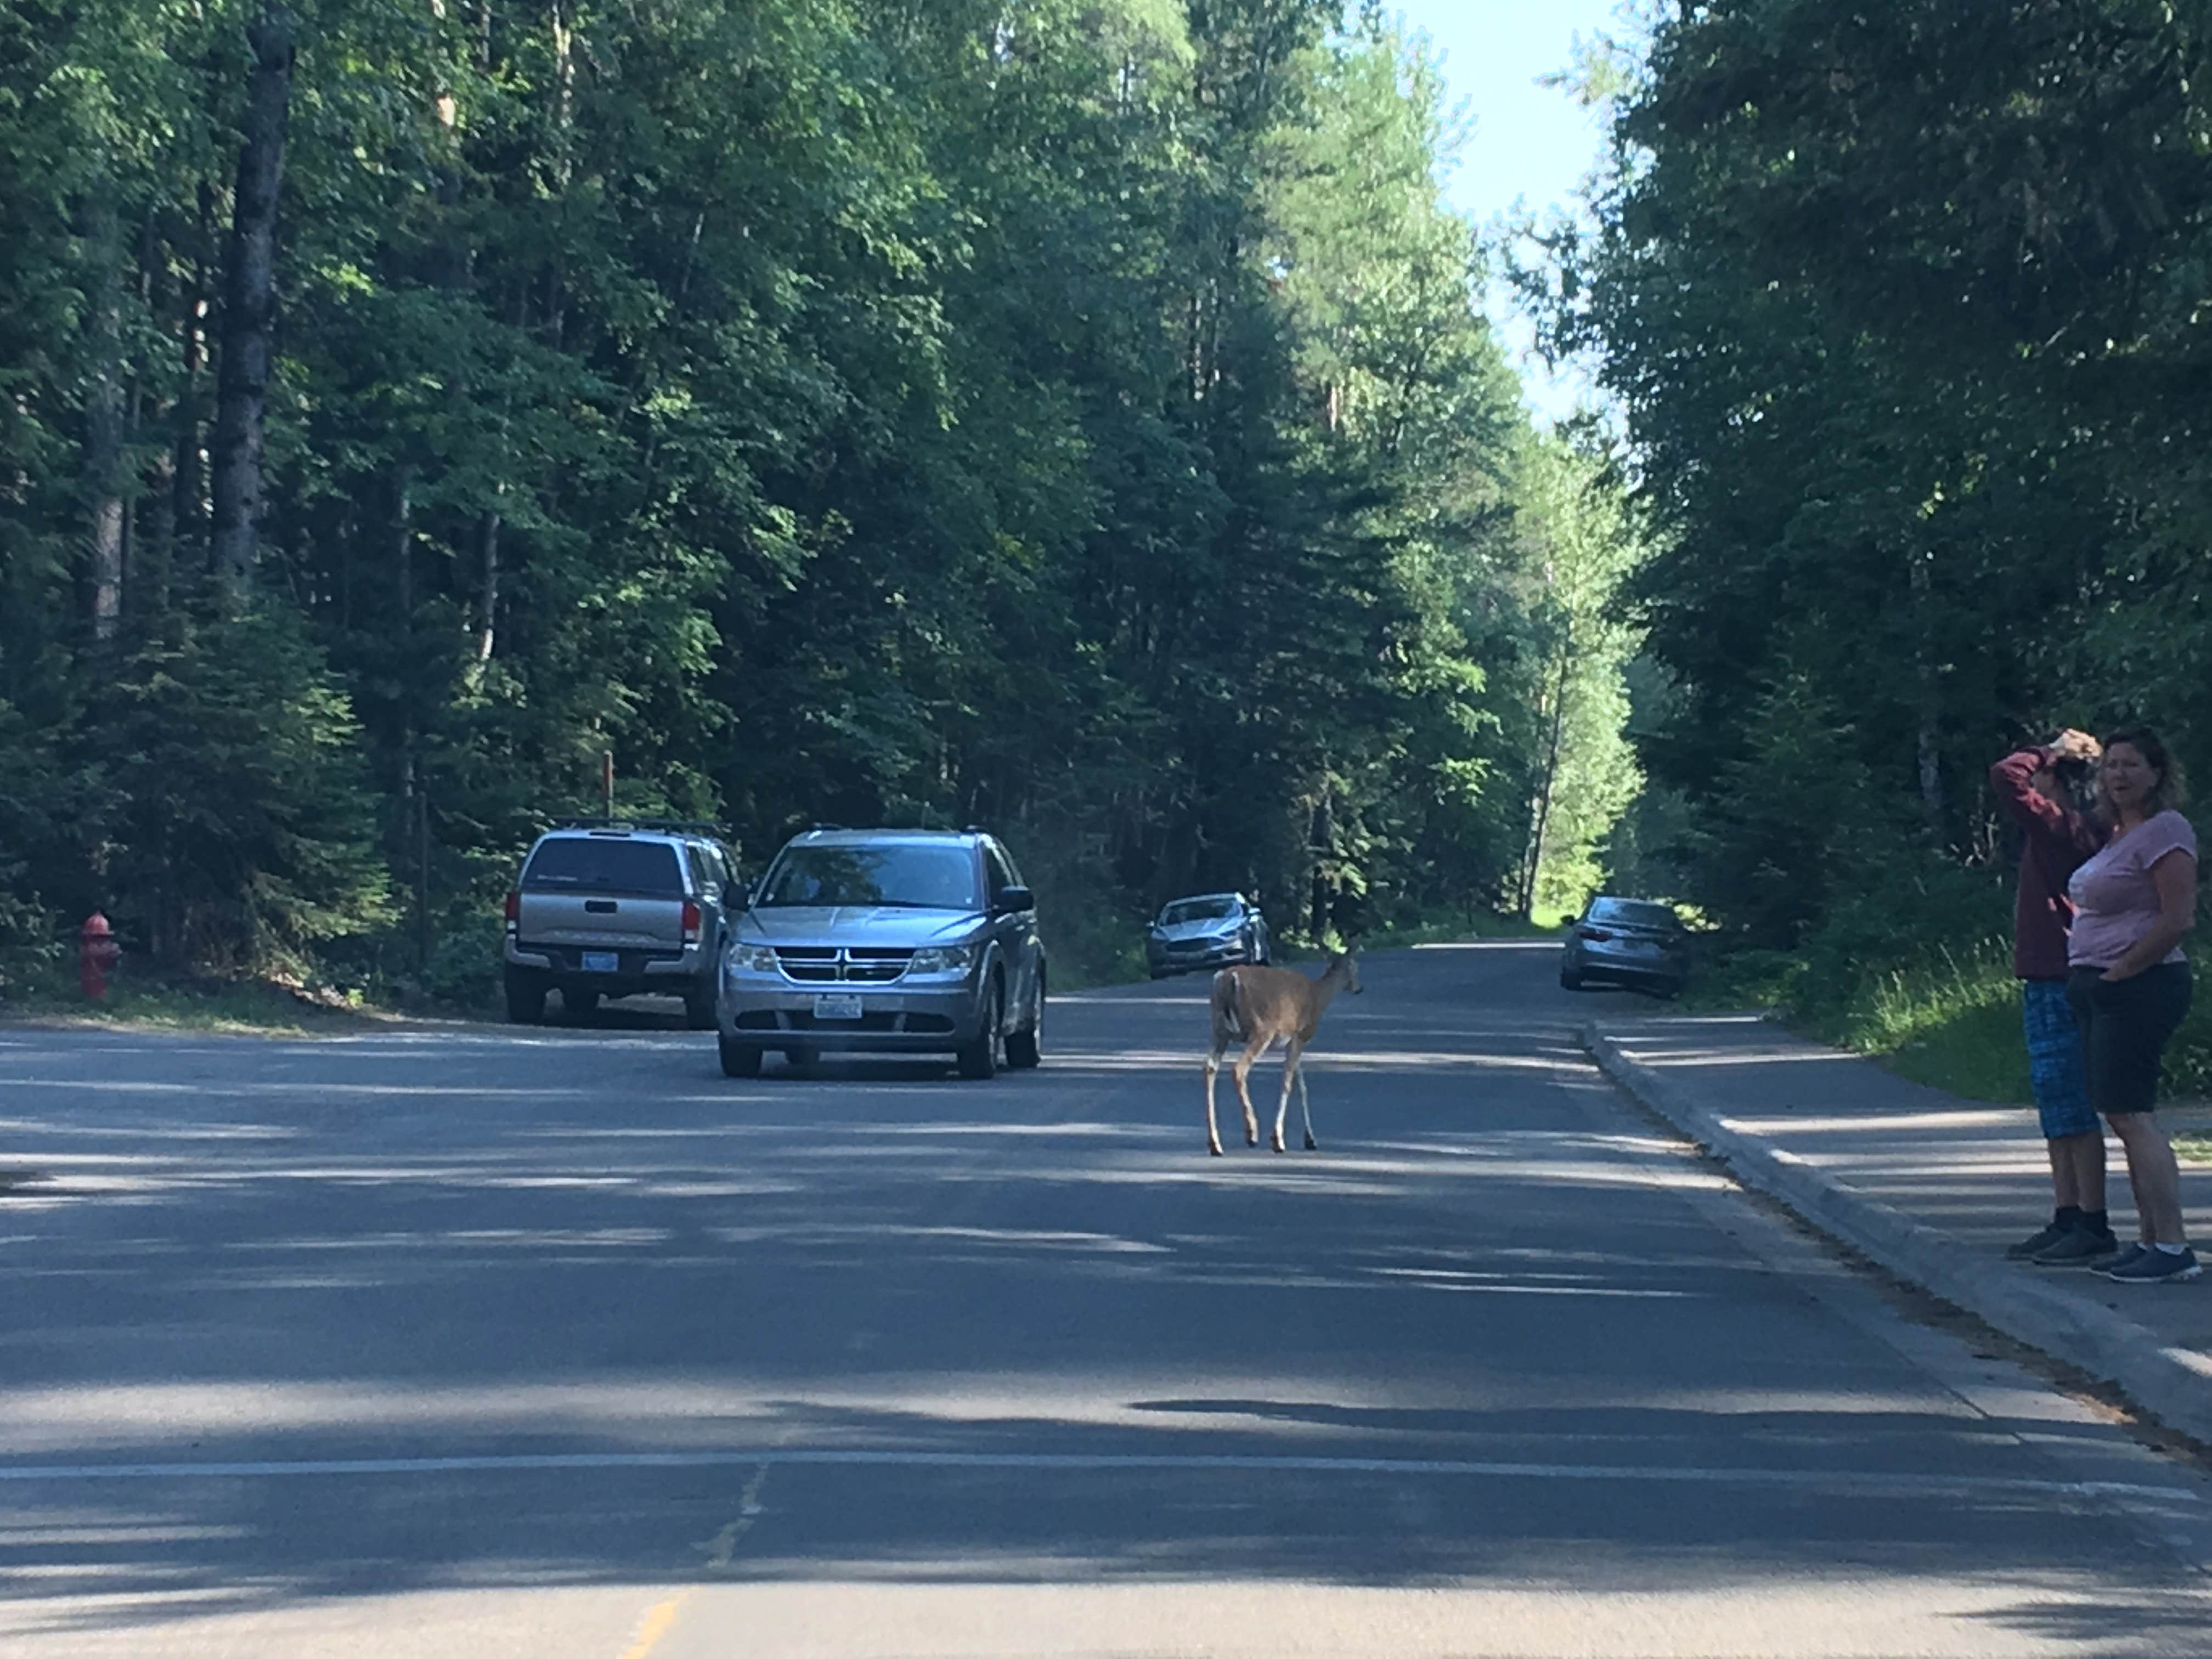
(1259, 1007)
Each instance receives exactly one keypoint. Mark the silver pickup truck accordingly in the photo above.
(614, 912)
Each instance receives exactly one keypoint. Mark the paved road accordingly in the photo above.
(557, 1344)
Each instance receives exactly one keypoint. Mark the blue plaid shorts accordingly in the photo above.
(2055, 1071)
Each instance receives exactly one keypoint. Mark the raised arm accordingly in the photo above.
(2012, 781)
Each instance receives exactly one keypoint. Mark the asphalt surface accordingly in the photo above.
(555, 1343)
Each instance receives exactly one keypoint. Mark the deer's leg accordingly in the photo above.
(1213, 1134)
(1252, 1050)
(1305, 1109)
(1290, 1078)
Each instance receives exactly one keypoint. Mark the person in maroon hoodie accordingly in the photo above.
(2029, 784)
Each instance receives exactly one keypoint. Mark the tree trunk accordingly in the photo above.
(250, 303)
(1531, 861)
(487, 552)
(103, 426)
(1928, 746)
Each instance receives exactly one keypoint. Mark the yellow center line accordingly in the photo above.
(658, 1620)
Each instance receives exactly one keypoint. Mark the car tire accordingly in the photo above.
(579, 1006)
(1025, 1048)
(526, 1000)
(800, 1059)
(1569, 980)
(979, 1061)
(739, 1058)
(699, 1011)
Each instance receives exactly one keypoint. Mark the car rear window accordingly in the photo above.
(1634, 912)
(604, 864)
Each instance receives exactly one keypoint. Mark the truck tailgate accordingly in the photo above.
(607, 921)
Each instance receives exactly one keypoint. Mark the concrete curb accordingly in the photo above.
(2171, 1384)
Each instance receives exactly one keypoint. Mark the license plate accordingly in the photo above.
(603, 962)
(836, 1007)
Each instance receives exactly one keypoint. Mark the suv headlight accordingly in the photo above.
(752, 959)
(942, 959)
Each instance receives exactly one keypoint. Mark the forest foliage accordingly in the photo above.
(1073, 418)
(1906, 309)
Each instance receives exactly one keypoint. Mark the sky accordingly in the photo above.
(1529, 142)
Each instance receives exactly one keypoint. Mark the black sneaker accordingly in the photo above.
(2035, 1243)
(2078, 1249)
(2155, 1267)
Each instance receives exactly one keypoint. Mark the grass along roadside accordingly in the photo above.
(179, 1003)
(1951, 1021)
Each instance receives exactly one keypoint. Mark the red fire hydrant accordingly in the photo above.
(97, 953)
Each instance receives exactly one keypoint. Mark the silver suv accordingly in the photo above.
(886, 941)
(613, 910)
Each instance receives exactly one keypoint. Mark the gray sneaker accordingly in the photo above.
(2035, 1243)
(2128, 1254)
(2155, 1267)
(2078, 1249)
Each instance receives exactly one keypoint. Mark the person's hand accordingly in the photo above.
(2072, 745)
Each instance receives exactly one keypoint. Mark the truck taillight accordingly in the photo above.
(692, 921)
(514, 911)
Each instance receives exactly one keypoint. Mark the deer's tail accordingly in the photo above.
(1229, 1004)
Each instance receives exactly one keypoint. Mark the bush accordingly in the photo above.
(236, 811)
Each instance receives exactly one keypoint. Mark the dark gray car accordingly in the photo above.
(886, 941)
(1625, 941)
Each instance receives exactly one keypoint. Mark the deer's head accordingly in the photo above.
(1345, 964)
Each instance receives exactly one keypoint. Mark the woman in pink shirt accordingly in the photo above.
(2133, 902)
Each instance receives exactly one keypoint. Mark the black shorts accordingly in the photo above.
(2124, 1026)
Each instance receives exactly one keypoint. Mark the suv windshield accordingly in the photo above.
(1197, 909)
(604, 864)
(911, 875)
(1634, 912)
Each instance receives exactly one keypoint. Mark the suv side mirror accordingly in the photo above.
(1009, 900)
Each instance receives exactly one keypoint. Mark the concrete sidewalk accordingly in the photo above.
(1931, 1186)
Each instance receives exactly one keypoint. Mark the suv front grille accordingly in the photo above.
(858, 964)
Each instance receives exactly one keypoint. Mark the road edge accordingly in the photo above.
(2096, 1339)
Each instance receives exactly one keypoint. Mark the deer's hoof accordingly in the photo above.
(1280, 1147)
(1312, 1145)
(1215, 1149)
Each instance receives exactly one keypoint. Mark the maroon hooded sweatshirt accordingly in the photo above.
(2059, 840)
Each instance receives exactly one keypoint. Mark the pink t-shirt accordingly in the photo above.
(2114, 900)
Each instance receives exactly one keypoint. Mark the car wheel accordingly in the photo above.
(980, 1060)
(739, 1058)
(800, 1059)
(1025, 1048)
(699, 1011)
(579, 1005)
(1569, 980)
(526, 1000)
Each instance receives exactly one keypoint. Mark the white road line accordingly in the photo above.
(1848, 1480)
